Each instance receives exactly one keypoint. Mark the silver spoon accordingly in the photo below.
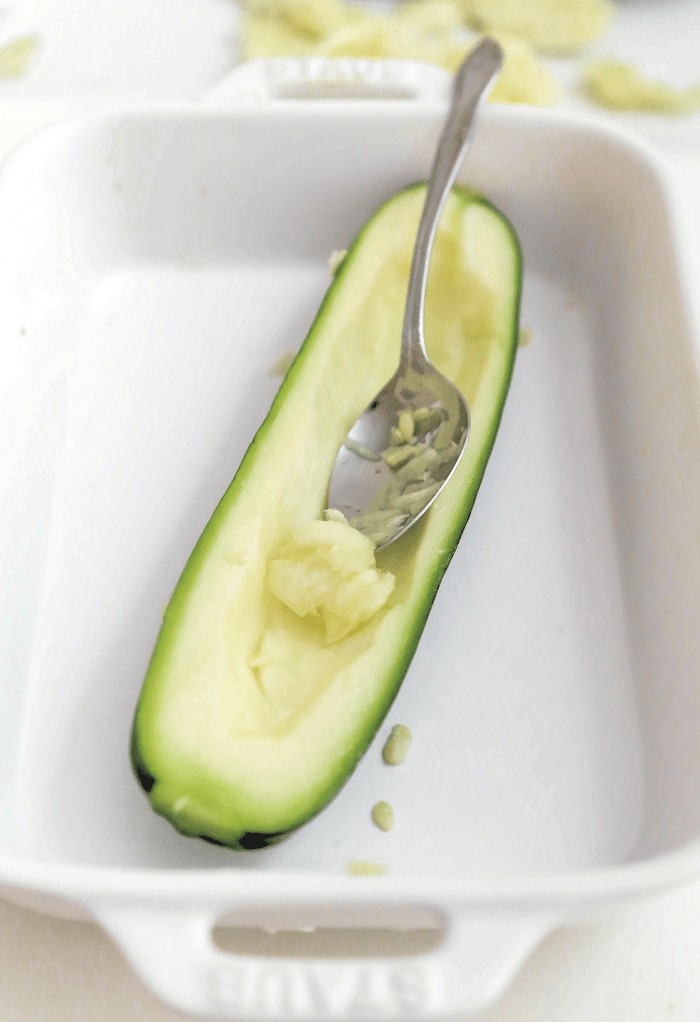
(420, 415)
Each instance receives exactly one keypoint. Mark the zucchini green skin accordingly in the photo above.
(170, 779)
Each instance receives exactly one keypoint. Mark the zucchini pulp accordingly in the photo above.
(249, 720)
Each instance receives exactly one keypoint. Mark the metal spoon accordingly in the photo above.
(420, 415)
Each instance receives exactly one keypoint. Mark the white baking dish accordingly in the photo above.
(153, 267)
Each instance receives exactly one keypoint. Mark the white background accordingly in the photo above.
(640, 965)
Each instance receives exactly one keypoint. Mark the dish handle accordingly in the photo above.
(173, 950)
(342, 78)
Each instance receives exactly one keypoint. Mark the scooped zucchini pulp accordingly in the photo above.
(256, 707)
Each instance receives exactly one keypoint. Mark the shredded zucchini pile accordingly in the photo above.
(442, 32)
(437, 32)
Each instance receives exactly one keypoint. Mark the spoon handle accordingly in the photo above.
(471, 81)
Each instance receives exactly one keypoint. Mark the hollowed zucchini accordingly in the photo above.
(243, 754)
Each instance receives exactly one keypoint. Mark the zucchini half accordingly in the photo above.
(242, 754)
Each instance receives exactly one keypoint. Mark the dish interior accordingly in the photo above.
(153, 270)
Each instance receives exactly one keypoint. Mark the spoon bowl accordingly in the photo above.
(383, 484)
(408, 441)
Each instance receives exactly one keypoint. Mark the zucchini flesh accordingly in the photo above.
(242, 754)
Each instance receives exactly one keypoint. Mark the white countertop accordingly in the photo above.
(639, 965)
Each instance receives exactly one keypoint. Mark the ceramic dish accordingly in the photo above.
(554, 699)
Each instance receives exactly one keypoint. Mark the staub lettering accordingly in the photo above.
(356, 990)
